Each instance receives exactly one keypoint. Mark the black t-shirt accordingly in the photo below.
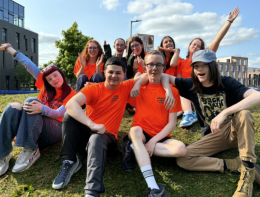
(208, 105)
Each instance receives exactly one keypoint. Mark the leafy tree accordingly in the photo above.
(47, 64)
(25, 78)
(73, 41)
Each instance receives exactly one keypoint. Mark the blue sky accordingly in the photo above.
(183, 20)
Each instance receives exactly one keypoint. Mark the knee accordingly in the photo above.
(244, 116)
(16, 105)
(30, 99)
(136, 133)
(96, 78)
(83, 78)
(97, 140)
(180, 150)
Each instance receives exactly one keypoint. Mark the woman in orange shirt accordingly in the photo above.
(37, 122)
(195, 45)
(89, 65)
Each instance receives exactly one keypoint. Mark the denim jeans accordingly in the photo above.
(95, 78)
(31, 131)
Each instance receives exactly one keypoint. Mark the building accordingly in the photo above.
(253, 76)
(148, 41)
(12, 29)
(236, 67)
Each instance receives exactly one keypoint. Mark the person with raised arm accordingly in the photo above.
(36, 123)
(185, 70)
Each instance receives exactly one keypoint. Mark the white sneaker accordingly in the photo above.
(26, 158)
(4, 164)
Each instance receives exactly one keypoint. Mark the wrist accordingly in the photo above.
(230, 21)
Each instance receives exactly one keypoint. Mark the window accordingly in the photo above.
(239, 62)
(25, 42)
(227, 74)
(16, 19)
(220, 67)
(21, 11)
(32, 58)
(15, 8)
(239, 75)
(228, 60)
(11, 6)
(11, 19)
(6, 4)
(245, 62)
(221, 73)
(226, 67)
(4, 39)
(232, 68)
(20, 22)
(17, 40)
(233, 74)
(249, 76)
(33, 45)
(15, 63)
(1, 3)
(3, 59)
(1, 15)
(238, 68)
(243, 68)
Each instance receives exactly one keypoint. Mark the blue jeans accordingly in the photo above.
(95, 78)
(31, 131)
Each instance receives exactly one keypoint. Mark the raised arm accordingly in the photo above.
(175, 58)
(107, 51)
(231, 17)
(21, 58)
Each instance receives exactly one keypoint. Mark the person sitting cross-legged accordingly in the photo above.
(153, 123)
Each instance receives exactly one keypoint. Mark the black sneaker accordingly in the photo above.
(128, 162)
(157, 192)
(67, 170)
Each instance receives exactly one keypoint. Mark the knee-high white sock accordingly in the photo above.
(148, 176)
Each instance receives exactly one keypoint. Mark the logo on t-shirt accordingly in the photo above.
(211, 105)
(114, 98)
(160, 100)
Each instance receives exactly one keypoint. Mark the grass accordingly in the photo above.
(37, 180)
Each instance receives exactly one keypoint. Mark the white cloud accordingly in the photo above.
(47, 55)
(45, 38)
(254, 63)
(251, 54)
(110, 4)
(176, 19)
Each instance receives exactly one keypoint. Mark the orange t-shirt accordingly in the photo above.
(56, 101)
(150, 113)
(89, 69)
(186, 68)
(107, 106)
(173, 71)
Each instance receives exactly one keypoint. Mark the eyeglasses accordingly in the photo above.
(152, 65)
(92, 48)
(120, 45)
(202, 66)
(134, 46)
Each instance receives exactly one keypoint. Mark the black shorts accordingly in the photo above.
(148, 137)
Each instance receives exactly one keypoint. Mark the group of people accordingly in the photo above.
(220, 103)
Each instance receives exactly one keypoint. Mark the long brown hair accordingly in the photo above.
(161, 45)
(129, 52)
(85, 54)
(202, 46)
(214, 78)
(51, 92)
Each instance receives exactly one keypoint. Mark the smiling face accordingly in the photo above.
(136, 48)
(93, 50)
(154, 66)
(119, 47)
(195, 46)
(168, 43)
(201, 70)
(55, 79)
(114, 76)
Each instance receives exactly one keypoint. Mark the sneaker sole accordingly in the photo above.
(187, 125)
(77, 168)
(30, 164)
(7, 166)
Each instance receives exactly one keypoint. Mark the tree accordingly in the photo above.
(25, 78)
(70, 45)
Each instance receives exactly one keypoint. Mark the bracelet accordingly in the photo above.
(230, 21)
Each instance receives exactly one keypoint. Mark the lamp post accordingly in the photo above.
(136, 21)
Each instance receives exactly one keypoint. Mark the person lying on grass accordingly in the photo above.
(150, 132)
(96, 131)
(37, 122)
(222, 104)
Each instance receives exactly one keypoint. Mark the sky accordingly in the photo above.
(183, 20)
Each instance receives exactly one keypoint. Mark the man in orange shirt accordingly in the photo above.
(153, 123)
(95, 132)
